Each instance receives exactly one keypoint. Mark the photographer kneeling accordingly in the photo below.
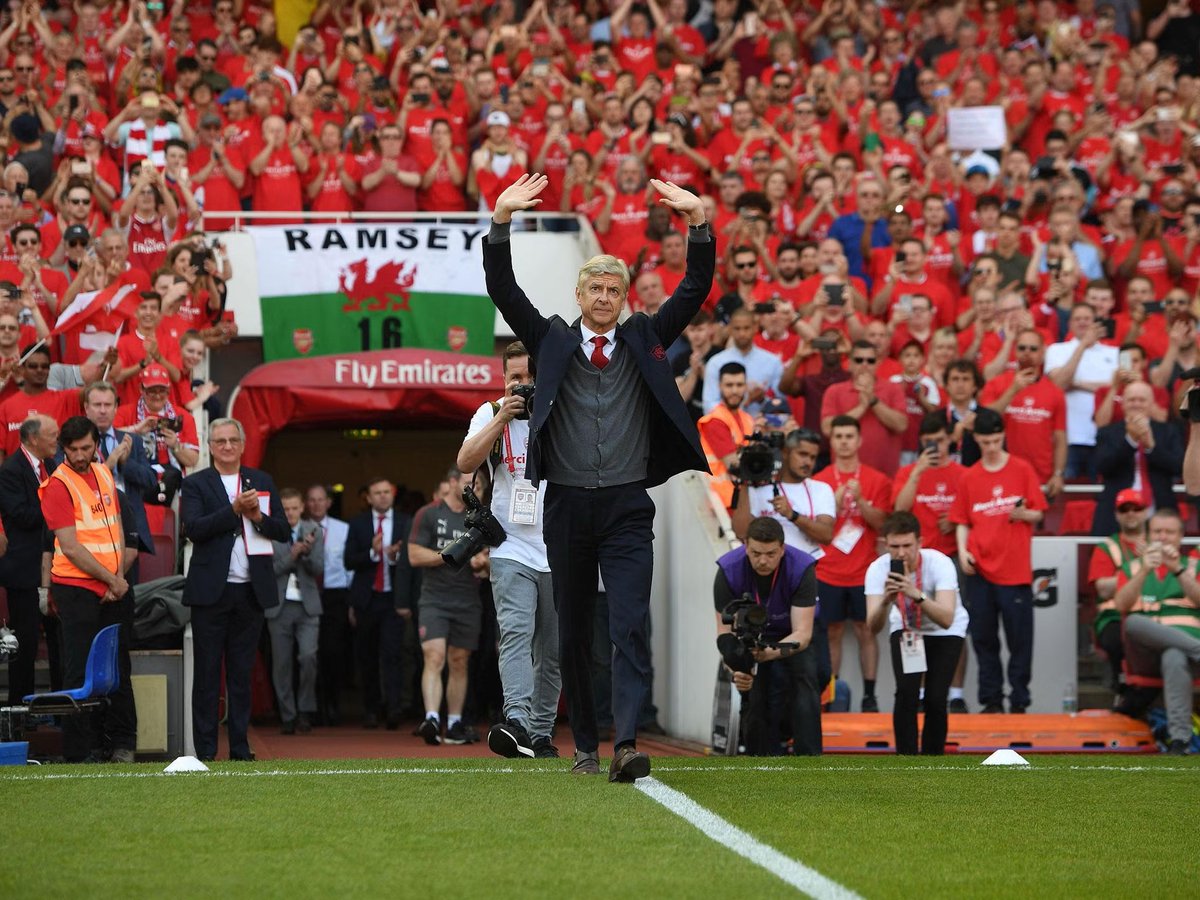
(772, 589)
(916, 591)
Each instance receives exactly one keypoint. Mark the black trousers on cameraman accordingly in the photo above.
(941, 658)
(784, 690)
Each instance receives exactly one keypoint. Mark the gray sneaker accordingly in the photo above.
(586, 763)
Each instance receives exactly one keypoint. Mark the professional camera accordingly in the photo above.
(760, 458)
(748, 620)
(483, 530)
(525, 392)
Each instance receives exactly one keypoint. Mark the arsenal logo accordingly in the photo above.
(456, 337)
(658, 352)
(302, 340)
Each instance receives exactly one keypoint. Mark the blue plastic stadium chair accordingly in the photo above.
(100, 679)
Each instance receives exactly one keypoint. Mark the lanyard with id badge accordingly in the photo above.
(912, 642)
(851, 532)
(523, 501)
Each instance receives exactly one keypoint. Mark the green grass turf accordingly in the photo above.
(885, 827)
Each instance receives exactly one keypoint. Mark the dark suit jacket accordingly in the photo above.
(357, 560)
(21, 510)
(209, 522)
(1115, 460)
(674, 441)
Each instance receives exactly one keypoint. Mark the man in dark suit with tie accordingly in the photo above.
(1137, 450)
(124, 455)
(607, 423)
(382, 594)
(21, 566)
(230, 513)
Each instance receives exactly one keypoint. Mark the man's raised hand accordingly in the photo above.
(521, 194)
(685, 202)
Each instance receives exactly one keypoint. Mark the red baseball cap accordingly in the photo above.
(1130, 497)
(155, 376)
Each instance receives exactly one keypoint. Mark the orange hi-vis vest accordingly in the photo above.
(97, 521)
(740, 424)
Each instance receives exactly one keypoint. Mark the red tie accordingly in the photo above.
(599, 360)
(382, 558)
(41, 472)
(1143, 472)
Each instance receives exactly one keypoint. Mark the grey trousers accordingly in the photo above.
(1179, 659)
(294, 636)
(528, 627)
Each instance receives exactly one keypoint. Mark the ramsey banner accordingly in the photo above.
(375, 286)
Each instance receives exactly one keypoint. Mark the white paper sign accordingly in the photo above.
(977, 128)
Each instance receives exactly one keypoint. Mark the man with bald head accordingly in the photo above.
(25, 539)
(1137, 453)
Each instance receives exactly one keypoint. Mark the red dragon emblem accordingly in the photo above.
(386, 289)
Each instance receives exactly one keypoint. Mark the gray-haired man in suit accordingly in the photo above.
(295, 624)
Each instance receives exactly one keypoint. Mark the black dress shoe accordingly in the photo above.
(393, 721)
(629, 765)
(288, 727)
(371, 721)
(303, 725)
(242, 757)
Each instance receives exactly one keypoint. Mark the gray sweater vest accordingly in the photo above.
(598, 434)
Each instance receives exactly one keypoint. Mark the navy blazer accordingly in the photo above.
(674, 441)
(357, 561)
(21, 510)
(1115, 460)
(209, 522)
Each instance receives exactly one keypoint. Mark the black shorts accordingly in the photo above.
(841, 603)
(456, 623)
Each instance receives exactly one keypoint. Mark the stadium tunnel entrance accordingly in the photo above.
(340, 419)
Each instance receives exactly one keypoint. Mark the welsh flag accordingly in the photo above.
(117, 299)
(373, 286)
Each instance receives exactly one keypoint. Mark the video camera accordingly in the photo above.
(748, 621)
(483, 530)
(760, 458)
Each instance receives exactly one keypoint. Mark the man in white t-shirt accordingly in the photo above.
(804, 507)
(521, 585)
(928, 624)
(1080, 367)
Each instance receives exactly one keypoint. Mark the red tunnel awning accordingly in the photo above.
(374, 389)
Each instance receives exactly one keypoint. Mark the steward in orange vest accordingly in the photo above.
(726, 415)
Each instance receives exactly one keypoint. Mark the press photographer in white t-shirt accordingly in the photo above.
(521, 585)
(916, 592)
(804, 507)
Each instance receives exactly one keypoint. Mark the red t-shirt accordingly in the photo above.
(1031, 419)
(217, 193)
(1001, 547)
(277, 186)
(880, 446)
(59, 405)
(849, 569)
(390, 195)
(442, 194)
(59, 512)
(936, 490)
(626, 231)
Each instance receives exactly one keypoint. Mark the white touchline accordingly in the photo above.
(728, 835)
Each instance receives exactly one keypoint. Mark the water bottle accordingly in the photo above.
(1070, 703)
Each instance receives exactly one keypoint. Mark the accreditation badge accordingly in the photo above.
(522, 505)
(848, 537)
(912, 652)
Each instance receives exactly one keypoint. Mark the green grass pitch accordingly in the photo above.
(1095, 827)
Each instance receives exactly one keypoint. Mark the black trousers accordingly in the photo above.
(378, 645)
(228, 629)
(941, 658)
(24, 618)
(331, 648)
(786, 697)
(83, 616)
(610, 528)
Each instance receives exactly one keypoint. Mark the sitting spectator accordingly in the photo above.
(1108, 557)
(1160, 597)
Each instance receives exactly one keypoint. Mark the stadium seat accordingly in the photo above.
(101, 678)
(1077, 517)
